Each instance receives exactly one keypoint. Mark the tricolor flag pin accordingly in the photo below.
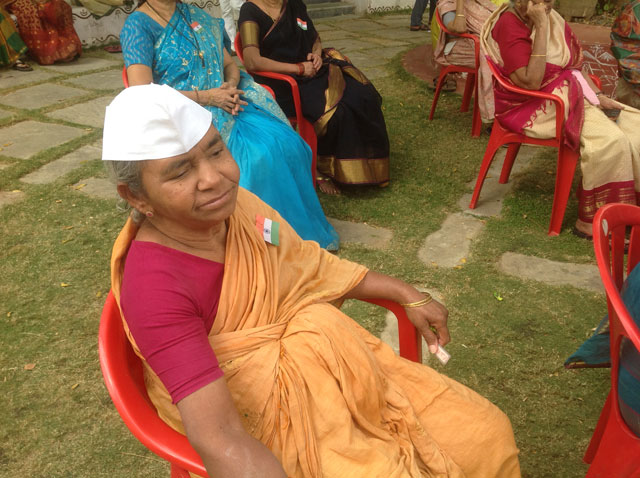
(302, 24)
(270, 230)
(196, 27)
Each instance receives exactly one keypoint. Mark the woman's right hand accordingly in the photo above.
(537, 12)
(225, 97)
(309, 70)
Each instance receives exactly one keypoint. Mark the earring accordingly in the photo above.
(149, 214)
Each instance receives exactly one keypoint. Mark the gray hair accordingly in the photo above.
(129, 173)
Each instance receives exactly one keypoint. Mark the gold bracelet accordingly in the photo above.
(459, 15)
(420, 303)
(197, 97)
(538, 55)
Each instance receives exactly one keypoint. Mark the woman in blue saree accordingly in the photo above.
(180, 45)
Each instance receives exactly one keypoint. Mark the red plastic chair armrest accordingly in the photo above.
(509, 86)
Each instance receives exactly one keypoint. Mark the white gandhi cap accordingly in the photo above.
(152, 122)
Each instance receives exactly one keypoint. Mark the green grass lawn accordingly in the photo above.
(57, 419)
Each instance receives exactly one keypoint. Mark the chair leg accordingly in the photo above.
(509, 159)
(469, 88)
(567, 161)
(597, 433)
(495, 141)
(476, 121)
(436, 94)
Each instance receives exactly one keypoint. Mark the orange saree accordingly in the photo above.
(327, 397)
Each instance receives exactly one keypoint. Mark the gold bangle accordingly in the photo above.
(459, 15)
(538, 55)
(420, 303)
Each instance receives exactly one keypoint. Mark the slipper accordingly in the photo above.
(581, 235)
(113, 49)
(449, 85)
(421, 27)
(20, 65)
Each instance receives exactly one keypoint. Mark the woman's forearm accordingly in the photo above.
(255, 62)
(317, 47)
(531, 76)
(376, 285)
(232, 74)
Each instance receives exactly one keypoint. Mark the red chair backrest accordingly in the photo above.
(125, 78)
(609, 231)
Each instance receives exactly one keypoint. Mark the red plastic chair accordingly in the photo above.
(304, 127)
(122, 372)
(470, 87)
(614, 450)
(567, 159)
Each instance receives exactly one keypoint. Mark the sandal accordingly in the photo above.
(421, 27)
(584, 235)
(327, 186)
(20, 65)
(449, 85)
(113, 49)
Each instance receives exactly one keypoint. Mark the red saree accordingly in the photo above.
(47, 29)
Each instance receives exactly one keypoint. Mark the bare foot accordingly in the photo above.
(327, 186)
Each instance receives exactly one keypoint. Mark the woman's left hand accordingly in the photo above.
(431, 322)
(315, 60)
(607, 103)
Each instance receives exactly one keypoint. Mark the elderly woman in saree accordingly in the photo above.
(47, 29)
(172, 43)
(625, 46)
(342, 104)
(466, 16)
(533, 46)
(236, 319)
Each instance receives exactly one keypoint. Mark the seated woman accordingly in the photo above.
(467, 16)
(242, 346)
(181, 46)
(625, 46)
(533, 46)
(47, 29)
(11, 45)
(342, 104)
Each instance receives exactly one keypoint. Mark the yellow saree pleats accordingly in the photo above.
(327, 397)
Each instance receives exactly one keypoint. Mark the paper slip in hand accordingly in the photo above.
(442, 355)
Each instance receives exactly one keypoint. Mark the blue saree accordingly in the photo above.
(274, 161)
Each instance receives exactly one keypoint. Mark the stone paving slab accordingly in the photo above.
(10, 197)
(384, 41)
(35, 97)
(404, 34)
(12, 78)
(31, 137)
(357, 26)
(363, 59)
(90, 113)
(84, 63)
(100, 188)
(493, 193)
(58, 168)
(389, 52)
(390, 333)
(374, 72)
(582, 276)
(5, 114)
(396, 21)
(369, 236)
(323, 27)
(346, 45)
(327, 37)
(103, 80)
(448, 246)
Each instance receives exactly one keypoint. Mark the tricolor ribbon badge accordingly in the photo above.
(270, 230)
(302, 24)
(196, 27)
